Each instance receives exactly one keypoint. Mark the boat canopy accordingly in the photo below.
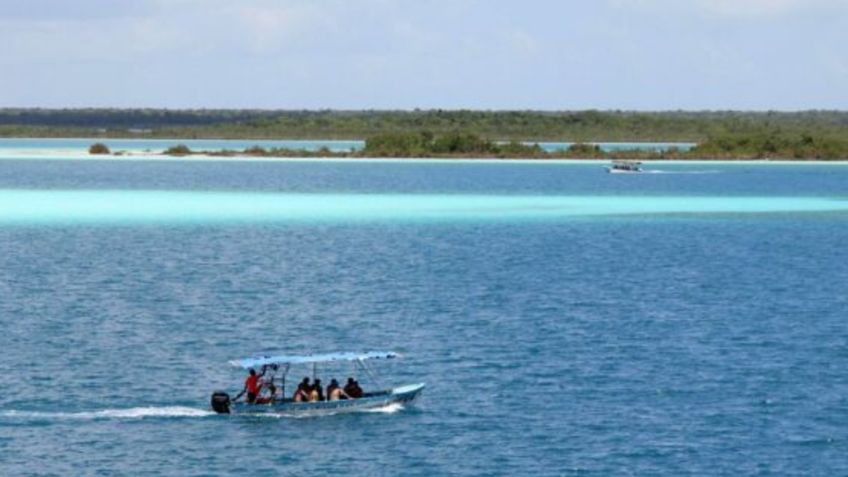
(311, 358)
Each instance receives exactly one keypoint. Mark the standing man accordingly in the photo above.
(252, 386)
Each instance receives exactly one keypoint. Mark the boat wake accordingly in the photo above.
(666, 171)
(161, 412)
(128, 413)
(389, 409)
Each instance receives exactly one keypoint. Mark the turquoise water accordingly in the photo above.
(566, 321)
(69, 207)
(17, 146)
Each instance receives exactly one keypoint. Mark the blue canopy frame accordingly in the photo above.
(311, 358)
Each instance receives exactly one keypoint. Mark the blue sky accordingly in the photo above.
(403, 54)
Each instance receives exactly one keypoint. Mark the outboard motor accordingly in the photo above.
(221, 402)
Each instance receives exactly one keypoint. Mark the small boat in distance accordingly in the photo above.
(282, 405)
(624, 167)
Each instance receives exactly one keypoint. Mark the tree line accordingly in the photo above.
(467, 145)
(571, 126)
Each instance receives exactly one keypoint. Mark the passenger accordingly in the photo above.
(271, 398)
(317, 392)
(335, 392)
(352, 389)
(330, 387)
(252, 385)
(302, 392)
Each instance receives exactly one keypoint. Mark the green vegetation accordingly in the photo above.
(772, 145)
(99, 148)
(427, 144)
(720, 134)
(256, 151)
(580, 149)
(739, 146)
(178, 150)
(571, 126)
(465, 145)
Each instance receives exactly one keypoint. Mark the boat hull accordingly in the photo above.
(398, 395)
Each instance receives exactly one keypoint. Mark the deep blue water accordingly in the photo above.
(702, 343)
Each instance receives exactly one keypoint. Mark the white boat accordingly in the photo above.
(282, 405)
(624, 167)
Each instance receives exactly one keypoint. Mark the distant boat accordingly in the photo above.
(222, 404)
(624, 167)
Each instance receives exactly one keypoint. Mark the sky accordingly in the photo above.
(405, 54)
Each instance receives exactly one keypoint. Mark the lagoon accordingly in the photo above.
(566, 321)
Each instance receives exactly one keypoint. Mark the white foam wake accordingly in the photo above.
(667, 171)
(387, 409)
(128, 413)
(165, 411)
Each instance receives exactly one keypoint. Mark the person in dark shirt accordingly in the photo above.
(317, 391)
(352, 389)
(303, 391)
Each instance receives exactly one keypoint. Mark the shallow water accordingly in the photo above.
(694, 323)
(67, 207)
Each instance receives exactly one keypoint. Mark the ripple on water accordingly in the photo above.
(609, 346)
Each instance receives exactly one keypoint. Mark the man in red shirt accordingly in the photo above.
(252, 385)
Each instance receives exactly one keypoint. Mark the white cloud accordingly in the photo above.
(269, 27)
(392, 53)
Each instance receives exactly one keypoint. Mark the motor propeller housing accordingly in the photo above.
(221, 402)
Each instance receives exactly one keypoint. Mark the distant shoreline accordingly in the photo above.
(158, 157)
(420, 146)
(716, 135)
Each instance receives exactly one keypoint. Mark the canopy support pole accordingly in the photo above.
(283, 381)
(369, 373)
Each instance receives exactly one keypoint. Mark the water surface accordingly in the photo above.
(566, 321)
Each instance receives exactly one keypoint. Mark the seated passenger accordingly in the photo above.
(301, 394)
(317, 392)
(352, 389)
(330, 387)
(335, 392)
(357, 391)
(271, 398)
